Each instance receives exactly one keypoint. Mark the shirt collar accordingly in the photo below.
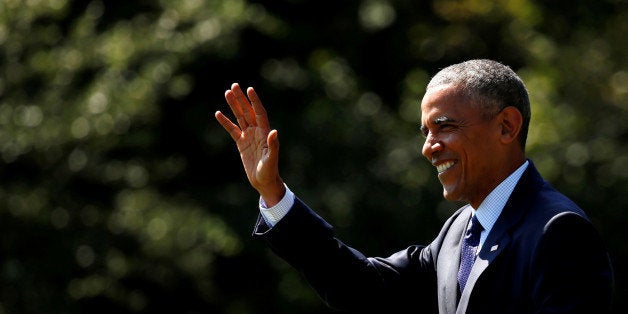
(494, 203)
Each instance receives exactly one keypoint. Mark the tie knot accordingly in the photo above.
(473, 233)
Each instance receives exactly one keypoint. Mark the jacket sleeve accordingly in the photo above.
(571, 268)
(343, 277)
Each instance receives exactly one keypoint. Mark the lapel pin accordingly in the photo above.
(494, 248)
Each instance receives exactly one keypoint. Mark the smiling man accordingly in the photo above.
(519, 246)
(472, 153)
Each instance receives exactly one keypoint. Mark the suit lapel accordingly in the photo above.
(449, 264)
(490, 250)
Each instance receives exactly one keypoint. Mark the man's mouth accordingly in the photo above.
(445, 166)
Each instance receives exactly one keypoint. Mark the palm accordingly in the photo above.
(253, 149)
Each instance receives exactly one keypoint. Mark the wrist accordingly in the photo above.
(273, 193)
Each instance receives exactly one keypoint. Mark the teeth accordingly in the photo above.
(444, 166)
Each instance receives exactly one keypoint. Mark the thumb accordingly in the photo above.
(273, 147)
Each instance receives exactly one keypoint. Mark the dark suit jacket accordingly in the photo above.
(542, 256)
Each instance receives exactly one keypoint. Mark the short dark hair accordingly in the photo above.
(490, 85)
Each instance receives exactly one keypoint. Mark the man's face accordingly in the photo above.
(461, 144)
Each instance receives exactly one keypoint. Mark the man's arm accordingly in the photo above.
(344, 277)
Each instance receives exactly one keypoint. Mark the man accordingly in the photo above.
(519, 246)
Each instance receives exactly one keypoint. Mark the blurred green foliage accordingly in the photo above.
(120, 194)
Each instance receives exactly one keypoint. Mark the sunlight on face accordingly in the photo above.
(460, 143)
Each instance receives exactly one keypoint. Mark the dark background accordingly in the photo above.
(120, 193)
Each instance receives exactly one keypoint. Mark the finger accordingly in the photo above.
(236, 109)
(273, 147)
(261, 118)
(233, 130)
(244, 103)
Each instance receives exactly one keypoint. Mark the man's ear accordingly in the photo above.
(511, 121)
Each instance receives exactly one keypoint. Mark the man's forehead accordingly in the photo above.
(437, 112)
(442, 105)
(438, 97)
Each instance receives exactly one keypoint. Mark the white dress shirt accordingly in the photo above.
(494, 203)
(273, 214)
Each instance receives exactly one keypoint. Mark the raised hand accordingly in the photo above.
(257, 144)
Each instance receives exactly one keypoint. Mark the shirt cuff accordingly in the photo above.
(273, 214)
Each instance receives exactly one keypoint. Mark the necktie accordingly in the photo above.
(469, 248)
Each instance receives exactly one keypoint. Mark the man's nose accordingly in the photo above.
(431, 146)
